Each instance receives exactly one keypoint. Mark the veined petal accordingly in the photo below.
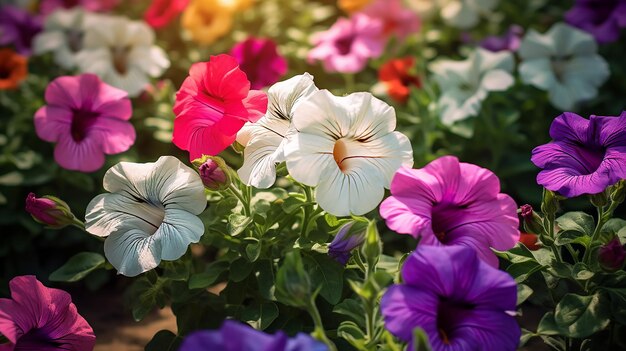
(406, 306)
(325, 115)
(260, 158)
(179, 229)
(132, 252)
(175, 185)
(286, 95)
(115, 213)
(307, 156)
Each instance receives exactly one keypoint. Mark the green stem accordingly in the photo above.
(307, 209)
(237, 193)
(78, 224)
(349, 80)
(596, 232)
(319, 332)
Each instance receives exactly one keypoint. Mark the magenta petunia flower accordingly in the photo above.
(42, 319)
(18, 28)
(397, 19)
(452, 203)
(260, 61)
(604, 19)
(348, 44)
(48, 6)
(586, 155)
(87, 119)
(461, 303)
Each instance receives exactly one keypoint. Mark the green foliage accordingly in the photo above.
(78, 267)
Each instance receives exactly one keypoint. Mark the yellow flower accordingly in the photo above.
(351, 6)
(208, 20)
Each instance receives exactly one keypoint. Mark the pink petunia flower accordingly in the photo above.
(452, 203)
(348, 44)
(48, 6)
(260, 60)
(43, 319)
(162, 12)
(87, 119)
(213, 104)
(397, 19)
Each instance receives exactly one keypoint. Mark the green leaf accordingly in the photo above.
(518, 254)
(238, 223)
(240, 269)
(581, 272)
(253, 251)
(352, 333)
(265, 278)
(611, 229)
(577, 221)
(523, 293)
(78, 267)
(145, 296)
(548, 326)
(164, 340)
(580, 316)
(294, 202)
(572, 237)
(209, 276)
(325, 273)
(521, 271)
(352, 309)
(262, 315)
(420, 340)
(621, 234)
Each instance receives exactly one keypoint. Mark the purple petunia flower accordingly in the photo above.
(508, 42)
(604, 19)
(18, 27)
(461, 303)
(43, 319)
(260, 60)
(347, 239)
(235, 336)
(585, 156)
(452, 203)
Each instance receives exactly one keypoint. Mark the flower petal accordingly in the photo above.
(405, 308)
(132, 252)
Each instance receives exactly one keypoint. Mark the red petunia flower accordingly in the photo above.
(398, 79)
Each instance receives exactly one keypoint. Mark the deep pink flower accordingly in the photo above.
(260, 60)
(48, 6)
(452, 203)
(162, 12)
(212, 105)
(348, 44)
(87, 119)
(42, 319)
(397, 19)
(49, 210)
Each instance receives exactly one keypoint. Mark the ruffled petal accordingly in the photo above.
(307, 156)
(491, 329)
(85, 156)
(260, 158)
(404, 308)
(179, 229)
(132, 252)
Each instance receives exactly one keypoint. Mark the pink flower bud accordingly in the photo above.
(49, 210)
(611, 256)
(214, 172)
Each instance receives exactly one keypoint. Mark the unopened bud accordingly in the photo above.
(214, 172)
(611, 256)
(50, 211)
(618, 192)
(350, 236)
(531, 220)
(550, 203)
(372, 248)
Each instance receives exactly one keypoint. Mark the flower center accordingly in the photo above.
(5, 72)
(151, 213)
(340, 153)
(36, 339)
(120, 58)
(82, 120)
(443, 219)
(449, 314)
(74, 40)
(68, 4)
(344, 44)
(559, 66)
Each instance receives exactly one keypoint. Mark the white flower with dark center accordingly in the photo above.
(347, 148)
(122, 53)
(264, 140)
(465, 84)
(565, 62)
(63, 35)
(150, 214)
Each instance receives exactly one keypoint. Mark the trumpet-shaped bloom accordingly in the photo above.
(48, 6)
(586, 155)
(63, 35)
(212, 105)
(465, 84)
(122, 53)
(87, 119)
(42, 319)
(604, 19)
(397, 78)
(208, 20)
(18, 28)
(348, 44)
(162, 12)
(265, 139)
(347, 147)
(13, 69)
(564, 62)
(149, 215)
(452, 203)
(235, 336)
(260, 61)
(397, 20)
(461, 303)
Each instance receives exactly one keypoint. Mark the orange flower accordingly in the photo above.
(208, 20)
(13, 69)
(397, 78)
(351, 6)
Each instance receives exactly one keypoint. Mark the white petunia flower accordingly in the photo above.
(122, 53)
(63, 35)
(149, 215)
(465, 84)
(347, 147)
(563, 61)
(264, 140)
